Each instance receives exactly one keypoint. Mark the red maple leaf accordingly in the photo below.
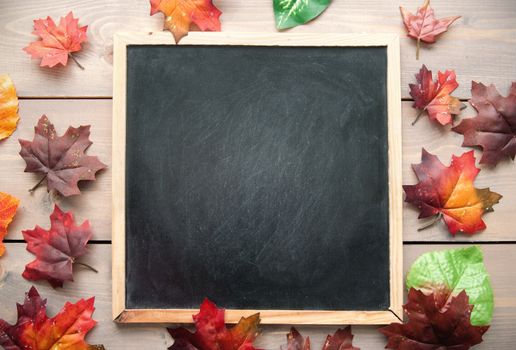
(423, 26)
(211, 332)
(35, 331)
(448, 192)
(180, 14)
(341, 340)
(57, 249)
(494, 128)
(435, 322)
(60, 159)
(434, 97)
(57, 42)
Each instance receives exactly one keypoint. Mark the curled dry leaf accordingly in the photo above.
(448, 192)
(180, 14)
(494, 128)
(34, 330)
(60, 159)
(291, 13)
(341, 340)
(8, 207)
(435, 322)
(8, 107)
(56, 249)
(434, 97)
(212, 334)
(57, 43)
(423, 26)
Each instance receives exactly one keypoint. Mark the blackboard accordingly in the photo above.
(257, 176)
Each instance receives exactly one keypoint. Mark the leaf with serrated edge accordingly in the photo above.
(457, 269)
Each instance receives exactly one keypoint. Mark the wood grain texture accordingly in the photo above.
(481, 46)
(95, 202)
(114, 336)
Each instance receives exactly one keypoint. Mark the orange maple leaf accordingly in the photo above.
(434, 97)
(57, 42)
(448, 192)
(8, 107)
(34, 330)
(423, 26)
(8, 207)
(179, 15)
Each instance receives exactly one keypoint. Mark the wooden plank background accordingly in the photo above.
(481, 46)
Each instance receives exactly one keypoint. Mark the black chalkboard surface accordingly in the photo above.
(257, 176)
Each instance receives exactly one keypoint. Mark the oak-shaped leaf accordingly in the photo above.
(180, 14)
(435, 322)
(57, 42)
(457, 270)
(56, 249)
(448, 192)
(423, 26)
(212, 334)
(8, 107)
(494, 128)
(341, 340)
(8, 207)
(34, 330)
(434, 96)
(60, 159)
(291, 13)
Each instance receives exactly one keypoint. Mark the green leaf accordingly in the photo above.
(291, 13)
(458, 269)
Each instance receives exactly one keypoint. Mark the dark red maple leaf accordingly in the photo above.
(434, 97)
(341, 340)
(34, 330)
(211, 332)
(57, 249)
(60, 159)
(494, 128)
(435, 322)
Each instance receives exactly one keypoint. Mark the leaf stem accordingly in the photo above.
(39, 183)
(87, 266)
(75, 60)
(417, 117)
(418, 46)
(431, 223)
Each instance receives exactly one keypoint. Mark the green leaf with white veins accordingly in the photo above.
(458, 269)
(291, 13)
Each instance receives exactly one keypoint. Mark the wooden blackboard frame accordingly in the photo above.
(391, 42)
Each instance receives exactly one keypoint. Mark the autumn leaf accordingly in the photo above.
(291, 13)
(448, 192)
(211, 332)
(8, 207)
(57, 43)
(60, 159)
(494, 128)
(456, 270)
(8, 107)
(423, 26)
(436, 322)
(434, 97)
(341, 340)
(34, 330)
(57, 249)
(180, 14)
